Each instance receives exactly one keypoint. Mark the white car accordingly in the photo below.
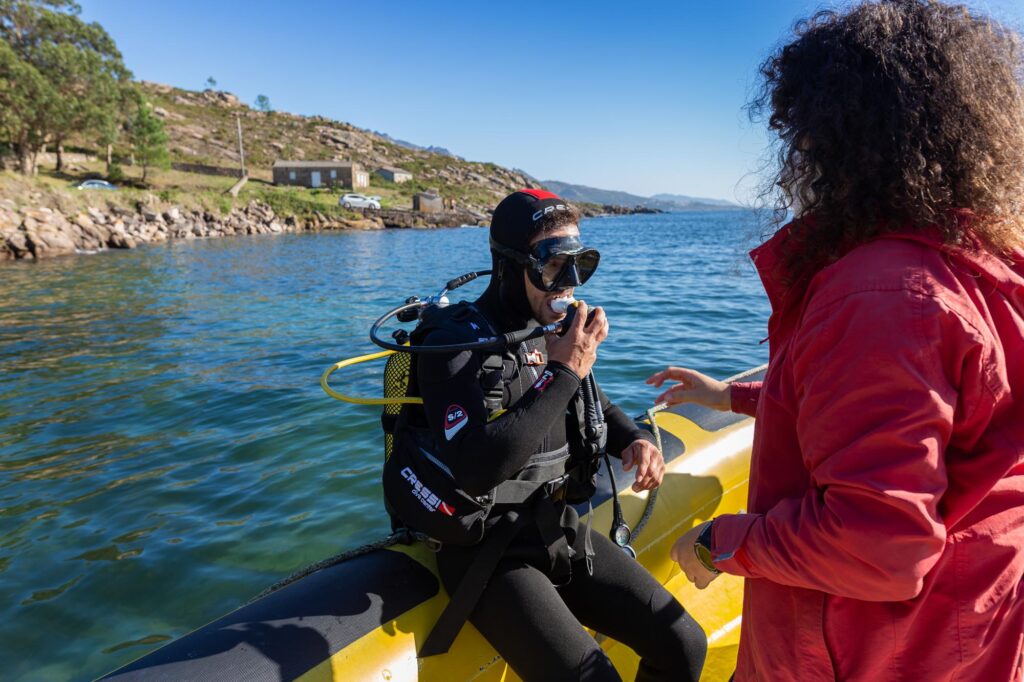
(97, 184)
(359, 201)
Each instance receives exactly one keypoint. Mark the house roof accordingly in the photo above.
(392, 169)
(312, 164)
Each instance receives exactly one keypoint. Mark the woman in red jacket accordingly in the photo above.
(885, 533)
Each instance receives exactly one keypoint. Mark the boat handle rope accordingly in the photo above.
(653, 495)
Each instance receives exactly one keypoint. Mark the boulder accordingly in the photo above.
(17, 244)
(119, 238)
(169, 115)
(48, 241)
(151, 216)
(363, 224)
(97, 216)
(91, 235)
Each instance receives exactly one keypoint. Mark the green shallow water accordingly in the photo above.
(166, 451)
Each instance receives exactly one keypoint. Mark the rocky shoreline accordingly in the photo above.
(37, 233)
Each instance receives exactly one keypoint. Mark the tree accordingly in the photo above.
(74, 68)
(25, 99)
(149, 140)
(110, 133)
(211, 83)
(263, 103)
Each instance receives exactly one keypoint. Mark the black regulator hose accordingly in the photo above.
(412, 308)
(489, 342)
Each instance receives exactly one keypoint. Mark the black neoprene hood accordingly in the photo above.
(515, 219)
(513, 225)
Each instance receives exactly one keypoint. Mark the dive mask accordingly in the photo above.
(555, 263)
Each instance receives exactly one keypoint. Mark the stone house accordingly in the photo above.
(321, 174)
(427, 202)
(396, 175)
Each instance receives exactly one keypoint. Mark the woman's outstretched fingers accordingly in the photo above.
(673, 395)
(692, 387)
(658, 378)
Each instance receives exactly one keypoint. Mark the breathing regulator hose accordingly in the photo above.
(411, 311)
(414, 307)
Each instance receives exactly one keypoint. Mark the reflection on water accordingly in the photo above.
(165, 449)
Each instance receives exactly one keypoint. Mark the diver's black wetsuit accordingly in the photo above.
(536, 626)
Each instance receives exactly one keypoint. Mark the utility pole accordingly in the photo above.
(241, 151)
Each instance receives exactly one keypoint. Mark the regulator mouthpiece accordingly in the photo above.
(571, 308)
(560, 305)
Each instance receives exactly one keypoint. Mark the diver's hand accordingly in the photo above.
(693, 387)
(650, 465)
(683, 554)
(577, 349)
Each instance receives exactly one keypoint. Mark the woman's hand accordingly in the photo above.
(649, 463)
(693, 387)
(683, 554)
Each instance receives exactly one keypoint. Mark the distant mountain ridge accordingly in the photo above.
(410, 145)
(663, 202)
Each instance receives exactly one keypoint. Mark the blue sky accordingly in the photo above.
(645, 98)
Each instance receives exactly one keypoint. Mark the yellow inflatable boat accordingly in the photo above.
(365, 617)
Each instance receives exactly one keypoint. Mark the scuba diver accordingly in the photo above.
(506, 441)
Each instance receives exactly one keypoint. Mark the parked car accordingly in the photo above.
(96, 184)
(359, 201)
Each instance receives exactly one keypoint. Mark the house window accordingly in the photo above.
(291, 175)
(334, 174)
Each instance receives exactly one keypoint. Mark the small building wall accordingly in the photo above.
(347, 176)
(427, 203)
(395, 175)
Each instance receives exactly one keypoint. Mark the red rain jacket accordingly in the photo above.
(884, 538)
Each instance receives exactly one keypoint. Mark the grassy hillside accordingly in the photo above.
(202, 128)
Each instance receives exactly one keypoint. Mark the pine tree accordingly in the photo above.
(149, 140)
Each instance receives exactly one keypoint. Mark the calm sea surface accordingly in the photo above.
(166, 451)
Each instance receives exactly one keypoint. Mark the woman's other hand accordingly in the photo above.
(692, 387)
(683, 553)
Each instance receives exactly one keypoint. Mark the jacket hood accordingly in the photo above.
(1005, 275)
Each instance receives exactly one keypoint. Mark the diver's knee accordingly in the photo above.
(596, 667)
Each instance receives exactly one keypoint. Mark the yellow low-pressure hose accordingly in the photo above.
(355, 399)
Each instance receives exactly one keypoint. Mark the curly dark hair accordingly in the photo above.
(892, 115)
